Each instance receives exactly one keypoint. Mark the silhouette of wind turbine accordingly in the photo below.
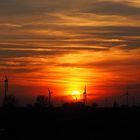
(126, 95)
(50, 95)
(85, 96)
(6, 86)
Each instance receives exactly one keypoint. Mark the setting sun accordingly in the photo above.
(76, 95)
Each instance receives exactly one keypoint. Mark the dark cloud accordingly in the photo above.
(24, 8)
(29, 53)
(20, 70)
(106, 64)
(120, 8)
(126, 34)
(34, 7)
(103, 37)
(48, 51)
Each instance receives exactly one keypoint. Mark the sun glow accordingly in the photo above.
(76, 95)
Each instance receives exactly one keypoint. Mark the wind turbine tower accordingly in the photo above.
(5, 87)
(50, 95)
(127, 97)
(85, 96)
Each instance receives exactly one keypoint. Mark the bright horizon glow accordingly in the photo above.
(76, 95)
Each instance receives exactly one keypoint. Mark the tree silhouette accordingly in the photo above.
(94, 105)
(115, 104)
(10, 101)
(41, 102)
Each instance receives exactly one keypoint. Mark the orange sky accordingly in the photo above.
(66, 45)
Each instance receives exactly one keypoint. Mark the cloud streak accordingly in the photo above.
(120, 8)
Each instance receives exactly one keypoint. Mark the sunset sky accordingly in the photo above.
(67, 44)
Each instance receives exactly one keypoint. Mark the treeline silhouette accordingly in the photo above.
(42, 101)
(42, 120)
(70, 121)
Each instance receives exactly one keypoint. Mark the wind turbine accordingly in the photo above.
(6, 86)
(85, 96)
(50, 95)
(127, 97)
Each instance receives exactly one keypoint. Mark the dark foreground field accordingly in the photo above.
(60, 123)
